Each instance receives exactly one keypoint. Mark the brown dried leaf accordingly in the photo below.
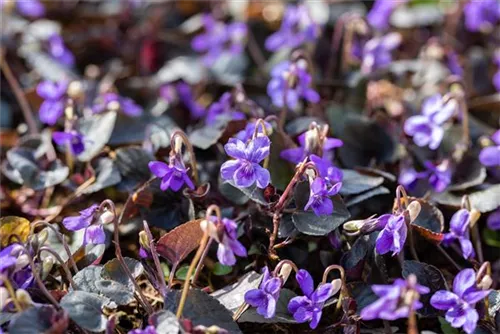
(12, 225)
(178, 243)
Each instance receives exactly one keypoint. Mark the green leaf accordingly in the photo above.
(491, 238)
(182, 272)
(85, 309)
(446, 327)
(221, 270)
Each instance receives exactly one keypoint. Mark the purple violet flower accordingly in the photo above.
(460, 304)
(182, 92)
(496, 77)
(226, 236)
(319, 198)
(327, 170)
(377, 52)
(88, 220)
(147, 330)
(393, 235)
(245, 170)
(426, 129)
(74, 138)
(408, 177)
(223, 110)
(174, 175)
(219, 38)
(481, 15)
(296, 29)
(54, 95)
(264, 298)
(30, 8)
(379, 15)
(113, 101)
(453, 63)
(493, 221)
(59, 51)
(439, 175)
(459, 230)
(15, 265)
(490, 156)
(247, 134)
(292, 79)
(395, 301)
(308, 143)
(309, 308)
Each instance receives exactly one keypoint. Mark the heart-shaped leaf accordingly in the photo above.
(182, 240)
(308, 223)
(85, 309)
(354, 182)
(202, 309)
(113, 270)
(430, 221)
(39, 319)
(96, 130)
(165, 322)
(232, 296)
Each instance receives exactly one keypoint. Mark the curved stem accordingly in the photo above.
(466, 204)
(19, 94)
(261, 123)
(277, 270)
(401, 194)
(343, 290)
(195, 260)
(10, 290)
(280, 206)
(156, 260)
(61, 262)
(189, 148)
(60, 237)
(119, 256)
(38, 280)
(199, 267)
(448, 257)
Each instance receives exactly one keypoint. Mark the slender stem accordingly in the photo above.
(387, 327)
(280, 206)
(156, 260)
(343, 288)
(61, 239)
(411, 236)
(201, 249)
(256, 52)
(284, 109)
(119, 256)
(412, 323)
(189, 148)
(466, 204)
(448, 257)
(10, 290)
(282, 263)
(401, 194)
(38, 280)
(61, 262)
(195, 260)
(20, 96)
(172, 275)
(199, 267)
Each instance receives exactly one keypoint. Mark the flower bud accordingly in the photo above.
(144, 240)
(24, 298)
(106, 217)
(47, 265)
(22, 261)
(353, 227)
(209, 227)
(4, 297)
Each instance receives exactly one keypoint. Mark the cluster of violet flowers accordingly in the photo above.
(297, 28)
(219, 38)
(306, 308)
(401, 300)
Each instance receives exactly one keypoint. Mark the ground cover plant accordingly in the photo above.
(250, 167)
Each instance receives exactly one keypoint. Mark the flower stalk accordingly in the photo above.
(10, 290)
(178, 138)
(156, 260)
(343, 290)
(66, 270)
(118, 253)
(198, 257)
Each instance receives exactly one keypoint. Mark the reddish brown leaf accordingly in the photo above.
(178, 243)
